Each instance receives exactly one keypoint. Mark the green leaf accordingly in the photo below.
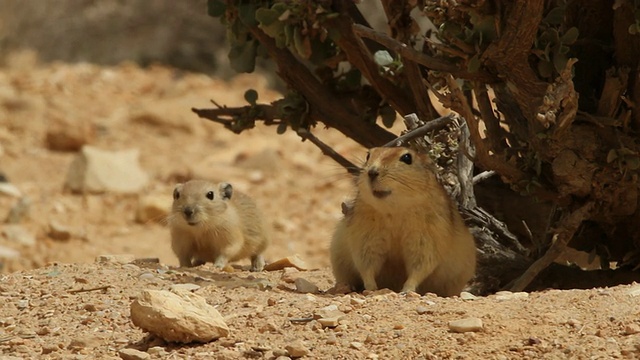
(612, 155)
(282, 127)
(382, 58)
(321, 51)
(633, 162)
(301, 43)
(388, 115)
(555, 16)
(247, 14)
(474, 64)
(243, 57)
(570, 36)
(251, 96)
(266, 17)
(563, 49)
(280, 7)
(288, 33)
(216, 8)
(634, 29)
(559, 62)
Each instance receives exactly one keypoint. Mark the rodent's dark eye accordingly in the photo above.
(406, 158)
(210, 195)
(176, 194)
(368, 156)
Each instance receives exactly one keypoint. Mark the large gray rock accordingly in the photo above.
(178, 316)
(96, 170)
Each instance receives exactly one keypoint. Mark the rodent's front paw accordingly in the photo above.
(370, 285)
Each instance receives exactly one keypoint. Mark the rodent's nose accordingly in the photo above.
(373, 173)
(188, 212)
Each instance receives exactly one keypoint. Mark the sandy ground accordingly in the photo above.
(298, 188)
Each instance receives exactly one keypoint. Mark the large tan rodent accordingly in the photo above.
(214, 223)
(402, 230)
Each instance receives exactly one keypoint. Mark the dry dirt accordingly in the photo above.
(42, 316)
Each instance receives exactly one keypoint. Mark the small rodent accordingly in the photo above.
(402, 230)
(214, 223)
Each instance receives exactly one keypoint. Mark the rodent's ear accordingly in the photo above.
(226, 190)
(176, 192)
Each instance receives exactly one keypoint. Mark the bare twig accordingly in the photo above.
(327, 150)
(566, 229)
(325, 106)
(6, 338)
(229, 116)
(488, 161)
(421, 131)
(89, 289)
(467, 198)
(494, 131)
(359, 56)
(427, 61)
(419, 90)
(301, 320)
(483, 176)
(483, 218)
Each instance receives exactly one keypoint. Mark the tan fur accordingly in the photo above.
(410, 237)
(227, 228)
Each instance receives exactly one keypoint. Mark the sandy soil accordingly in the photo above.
(299, 189)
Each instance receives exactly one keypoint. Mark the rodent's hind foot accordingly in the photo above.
(257, 263)
(408, 289)
(370, 284)
(198, 262)
(221, 262)
(185, 262)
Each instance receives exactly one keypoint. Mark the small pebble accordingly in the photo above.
(632, 329)
(147, 276)
(22, 304)
(331, 339)
(329, 322)
(17, 234)
(508, 295)
(422, 310)
(412, 295)
(634, 290)
(304, 286)
(297, 349)
(467, 296)
(187, 287)
(119, 258)
(133, 354)
(289, 275)
(157, 350)
(356, 345)
(9, 189)
(58, 231)
(49, 348)
(19, 211)
(291, 261)
(357, 301)
(466, 325)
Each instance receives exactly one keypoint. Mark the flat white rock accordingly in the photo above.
(178, 316)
